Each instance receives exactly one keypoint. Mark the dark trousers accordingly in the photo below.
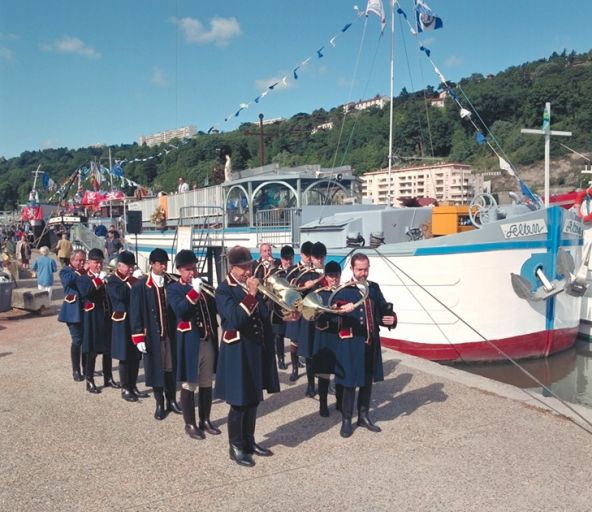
(241, 426)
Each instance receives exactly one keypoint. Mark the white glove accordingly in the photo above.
(142, 347)
(137, 273)
(102, 275)
(196, 283)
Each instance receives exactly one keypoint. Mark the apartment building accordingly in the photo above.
(377, 101)
(451, 182)
(167, 135)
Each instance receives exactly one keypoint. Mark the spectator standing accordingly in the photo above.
(112, 245)
(64, 250)
(43, 269)
(183, 186)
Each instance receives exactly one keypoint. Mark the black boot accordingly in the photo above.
(188, 406)
(310, 388)
(160, 412)
(90, 369)
(124, 376)
(363, 406)
(279, 349)
(294, 360)
(108, 372)
(170, 390)
(75, 358)
(338, 396)
(250, 446)
(134, 363)
(323, 393)
(347, 409)
(204, 409)
(235, 437)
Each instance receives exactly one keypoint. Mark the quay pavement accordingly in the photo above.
(450, 441)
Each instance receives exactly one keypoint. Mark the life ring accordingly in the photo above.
(583, 205)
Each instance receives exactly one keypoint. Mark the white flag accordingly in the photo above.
(506, 166)
(376, 7)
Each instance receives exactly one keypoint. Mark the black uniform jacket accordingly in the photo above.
(246, 363)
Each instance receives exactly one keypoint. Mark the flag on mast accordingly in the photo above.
(376, 7)
(425, 17)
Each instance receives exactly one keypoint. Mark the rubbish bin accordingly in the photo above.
(5, 296)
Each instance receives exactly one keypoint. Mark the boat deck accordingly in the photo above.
(450, 441)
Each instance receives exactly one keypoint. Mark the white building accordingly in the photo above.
(439, 101)
(168, 135)
(324, 126)
(377, 101)
(450, 182)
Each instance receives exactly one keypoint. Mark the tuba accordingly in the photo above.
(312, 305)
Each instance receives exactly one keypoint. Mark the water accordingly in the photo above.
(568, 374)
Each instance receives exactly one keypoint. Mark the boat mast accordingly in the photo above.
(392, 80)
(547, 132)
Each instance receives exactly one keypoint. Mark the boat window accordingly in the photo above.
(275, 199)
(326, 192)
(237, 207)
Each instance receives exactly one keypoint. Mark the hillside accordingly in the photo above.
(511, 100)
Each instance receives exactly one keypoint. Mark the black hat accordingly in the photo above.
(306, 248)
(158, 255)
(318, 250)
(332, 267)
(287, 252)
(185, 257)
(239, 255)
(127, 258)
(96, 255)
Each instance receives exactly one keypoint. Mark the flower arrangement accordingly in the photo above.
(158, 217)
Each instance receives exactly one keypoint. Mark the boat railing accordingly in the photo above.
(85, 237)
(278, 226)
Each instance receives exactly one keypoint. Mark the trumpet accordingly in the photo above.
(316, 280)
(279, 292)
(268, 266)
(206, 287)
(312, 305)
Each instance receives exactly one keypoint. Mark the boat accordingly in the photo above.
(478, 282)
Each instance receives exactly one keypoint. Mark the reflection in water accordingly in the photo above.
(568, 374)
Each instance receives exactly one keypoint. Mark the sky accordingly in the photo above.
(74, 73)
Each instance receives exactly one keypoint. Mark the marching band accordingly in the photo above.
(170, 323)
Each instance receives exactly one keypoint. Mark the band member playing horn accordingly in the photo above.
(308, 281)
(359, 360)
(96, 324)
(246, 363)
(264, 266)
(293, 324)
(278, 324)
(71, 311)
(151, 325)
(325, 339)
(119, 286)
(197, 344)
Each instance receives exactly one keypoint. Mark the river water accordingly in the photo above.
(568, 374)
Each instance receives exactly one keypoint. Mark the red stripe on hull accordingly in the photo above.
(538, 344)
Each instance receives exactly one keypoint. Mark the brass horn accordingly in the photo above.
(312, 305)
(206, 287)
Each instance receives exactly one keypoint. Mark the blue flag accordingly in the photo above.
(480, 138)
(526, 192)
(117, 170)
(425, 17)
(45, 179)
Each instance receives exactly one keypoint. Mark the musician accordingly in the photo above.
(266, 263)
(293, 324)
(278, 325)
(151, 323)
(325, 339)
(119, 287)
(96, 324)
(309, 281)
(246, 363)
(71, 310)
(358, 358)
(197, 344)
